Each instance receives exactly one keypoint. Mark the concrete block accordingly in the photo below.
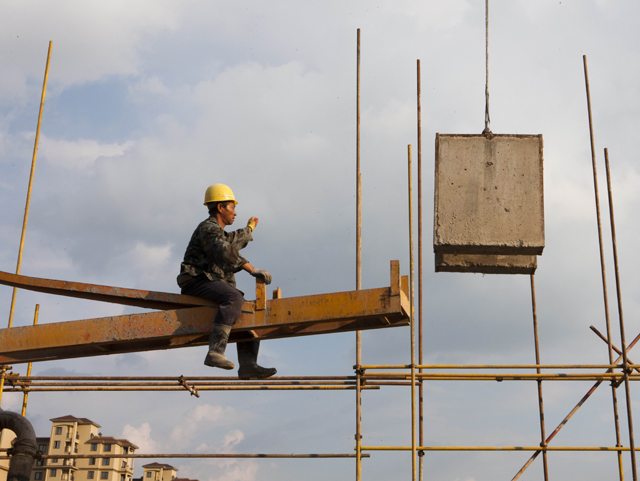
(489, 196)
(486, 264)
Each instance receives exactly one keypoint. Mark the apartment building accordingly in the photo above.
(160, 472)
(72, 435)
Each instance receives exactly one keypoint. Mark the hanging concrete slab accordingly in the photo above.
(486, 264)
(489, 197)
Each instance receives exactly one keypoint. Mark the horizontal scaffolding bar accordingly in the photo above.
(503, 377)
(181, 388)
(496, 448)
(497, 366)
(181, 455)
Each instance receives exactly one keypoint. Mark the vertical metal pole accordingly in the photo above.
(413, 336)
(33, 166)
(543, 435)
(358, 275)
(26, 393)
(605, 294)
(420, 386)
(26, 209)
(623, 347)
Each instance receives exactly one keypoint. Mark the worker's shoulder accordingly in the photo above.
(210, 226)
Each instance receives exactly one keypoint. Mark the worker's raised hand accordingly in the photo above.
(253, 222)
(263, 274)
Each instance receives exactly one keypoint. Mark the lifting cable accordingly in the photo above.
(487, 130)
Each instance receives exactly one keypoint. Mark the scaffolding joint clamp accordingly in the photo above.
(357, 437)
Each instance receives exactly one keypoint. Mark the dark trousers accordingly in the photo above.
(228, 298)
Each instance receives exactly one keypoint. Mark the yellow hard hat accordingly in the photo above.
(219, 193)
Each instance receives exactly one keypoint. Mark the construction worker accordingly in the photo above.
(210, 262)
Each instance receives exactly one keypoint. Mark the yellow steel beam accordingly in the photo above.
(260, 319)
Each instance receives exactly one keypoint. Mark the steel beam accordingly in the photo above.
(189, 326)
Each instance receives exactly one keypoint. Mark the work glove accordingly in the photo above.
(252, 223)
(264, 274)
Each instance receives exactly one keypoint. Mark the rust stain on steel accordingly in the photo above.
(290, 317)
(118, 295)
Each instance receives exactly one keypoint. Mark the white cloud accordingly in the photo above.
(239, 471)
(202, 418)
(79, 154)
(146, 87)
(90, 40)
(141, 436)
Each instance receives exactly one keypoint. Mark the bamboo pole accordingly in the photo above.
(570, 415)
(614, 394)
(543, 436)
(358, 435)
(25, 397)
(625, 361)
(420, 385)
(26, 209)
(412, 325)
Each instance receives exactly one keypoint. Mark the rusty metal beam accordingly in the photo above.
(289, 317)
(117, 295)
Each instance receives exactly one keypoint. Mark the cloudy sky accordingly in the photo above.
(149, 102)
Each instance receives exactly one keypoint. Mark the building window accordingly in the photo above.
(94, 447)
(38, 475)
(42, 447)
(148, 474)
(92, 461)
(90, 474)
(39, 462)
(56, 444)
(54, 473)
(54, 460)
(122, 477)
(105, 461)
(124, 464)
(104, 475)
(107, 448)
(59, 430)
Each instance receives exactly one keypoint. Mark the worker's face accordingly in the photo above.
(228, 213)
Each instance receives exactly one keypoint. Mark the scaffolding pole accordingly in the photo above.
(614, 394)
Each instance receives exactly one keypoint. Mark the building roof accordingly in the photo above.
(110, 440)
(158, 465)
(72, 419)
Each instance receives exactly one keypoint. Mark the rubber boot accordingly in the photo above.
(217, 345)
(247, 357)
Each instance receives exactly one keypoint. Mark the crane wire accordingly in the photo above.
(487, 130)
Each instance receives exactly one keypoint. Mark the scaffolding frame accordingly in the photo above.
(618, 371)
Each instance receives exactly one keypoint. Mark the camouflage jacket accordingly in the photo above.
(214, 253)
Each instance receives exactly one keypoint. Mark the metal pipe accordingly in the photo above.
(23, 452)
(202, 456)
(33, 167)
(569, 416)
(420, 386)
(358, 435)
(204, 388)
(605, 294)
(25, 397)
(26, 209)
(497, 448)
(625, 361)
(540, 399)
(498, 366)
(173, 384)
(618, 351)
(176, 379)
(412, 326)
(505, 377)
